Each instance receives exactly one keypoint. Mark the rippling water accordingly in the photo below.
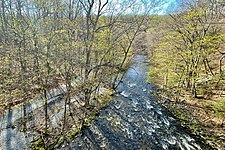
(134, 120)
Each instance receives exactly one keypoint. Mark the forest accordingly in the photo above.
(62, 61)
(73, 50)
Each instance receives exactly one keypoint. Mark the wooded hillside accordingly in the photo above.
(188, 66)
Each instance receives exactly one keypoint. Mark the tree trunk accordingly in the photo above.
(46, 111)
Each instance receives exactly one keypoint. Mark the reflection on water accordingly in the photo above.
(134, 120)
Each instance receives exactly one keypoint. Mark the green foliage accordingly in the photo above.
(90, 118)
(219, 108)
(48, 44)
(38, 144)
(182, 57)
(73, 133)
(104, 98)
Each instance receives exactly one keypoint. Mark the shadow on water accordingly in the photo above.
(9, 130)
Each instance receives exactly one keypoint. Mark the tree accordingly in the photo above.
(82, 45)
(193, 39)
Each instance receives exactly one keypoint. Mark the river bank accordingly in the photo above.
(134, 120)
(14, 136)
(131, 120)
(198, 116)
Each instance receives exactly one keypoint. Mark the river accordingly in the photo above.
(134, 120)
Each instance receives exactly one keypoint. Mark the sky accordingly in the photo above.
(165, 6)
(168, 6)
(160, 7)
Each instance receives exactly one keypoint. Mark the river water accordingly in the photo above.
(134, 120)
